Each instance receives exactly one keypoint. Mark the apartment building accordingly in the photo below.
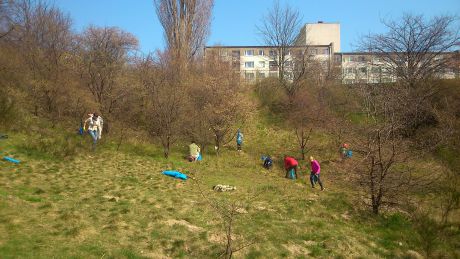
(259, 62)
(321, 42)
(364, 67)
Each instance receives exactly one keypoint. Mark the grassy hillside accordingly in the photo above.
(117, 204)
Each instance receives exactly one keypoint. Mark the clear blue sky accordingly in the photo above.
(234, 21)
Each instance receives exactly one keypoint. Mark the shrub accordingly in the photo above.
(53, 146)
(7, 110)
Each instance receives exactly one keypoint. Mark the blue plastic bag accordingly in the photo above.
(175, 174)
(199, 158)
(12, 160)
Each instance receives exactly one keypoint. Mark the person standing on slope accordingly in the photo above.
(314, 174)
(94, 128)
(239, 140)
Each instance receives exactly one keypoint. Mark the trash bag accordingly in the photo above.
(175, 174)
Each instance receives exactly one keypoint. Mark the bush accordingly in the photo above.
(52, 146)
(7, 110)
(272, 95)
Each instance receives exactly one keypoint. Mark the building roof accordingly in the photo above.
(321, 22)
(240, 47)
(382, 53)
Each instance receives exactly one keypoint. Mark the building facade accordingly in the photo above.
(321, 43)
(259, 62)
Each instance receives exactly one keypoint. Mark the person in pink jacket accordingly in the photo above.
(314, 175)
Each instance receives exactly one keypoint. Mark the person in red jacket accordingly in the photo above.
(289, 164)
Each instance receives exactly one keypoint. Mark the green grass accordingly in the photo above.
(117, 204)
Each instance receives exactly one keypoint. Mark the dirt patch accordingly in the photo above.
(190, 227)
(215, 238)
(296, 249)
(111, 198)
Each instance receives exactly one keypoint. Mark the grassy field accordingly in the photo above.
(117, 204)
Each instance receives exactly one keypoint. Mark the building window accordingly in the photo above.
(223, 53)
(361, 58)
(272, 63)
(249, 52)
(288, 63)
(261, 63)
(249, 76)
(272, 53)
(363, 69)
(326, 52)
(314, 51)
(260, 75)
(249, 64)
(261, 52)
(235, 53)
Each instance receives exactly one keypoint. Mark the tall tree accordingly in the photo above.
(6, 25)
(104, 54)
(413, 48)
(43, 34)
(164, 100)
(186, 25)
(217, 97)
(279, 29)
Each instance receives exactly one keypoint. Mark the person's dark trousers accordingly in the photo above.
(315, 178)
(289, 169)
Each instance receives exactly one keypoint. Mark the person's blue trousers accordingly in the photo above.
(94, 135)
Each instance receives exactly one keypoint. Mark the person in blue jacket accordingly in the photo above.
(239, 140)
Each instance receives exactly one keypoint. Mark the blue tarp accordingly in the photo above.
(175, 174)
(12, 160)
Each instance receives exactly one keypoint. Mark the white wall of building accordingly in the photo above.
(322, 34)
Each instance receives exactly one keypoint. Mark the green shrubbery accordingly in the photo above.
(7, 110)
(52, 146)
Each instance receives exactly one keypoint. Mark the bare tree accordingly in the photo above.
(104, 54)
(224, 103)
(230, 212)
(6, 24)
(279, 29)
(163, 100)
(385, 149)
(44, 36)
(304, 116)
(186, 25)
(413, 48)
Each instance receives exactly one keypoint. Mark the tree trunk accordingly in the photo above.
(375, 205)
(121, 137)
(228, 249)
(166, 148)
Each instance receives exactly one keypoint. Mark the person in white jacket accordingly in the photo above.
(94, 123)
